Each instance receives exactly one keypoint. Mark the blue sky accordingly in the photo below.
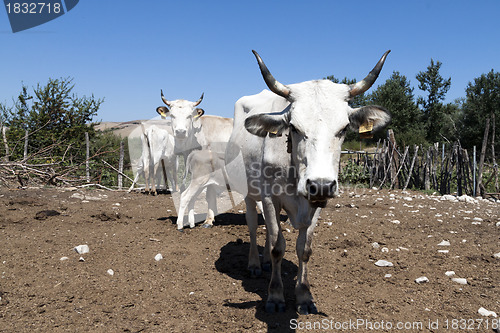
(126, 51)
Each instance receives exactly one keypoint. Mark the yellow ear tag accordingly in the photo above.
(365, 130)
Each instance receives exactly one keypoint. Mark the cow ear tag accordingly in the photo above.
(365, 130)
(273, 133)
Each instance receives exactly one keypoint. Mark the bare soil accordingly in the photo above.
(202, 283)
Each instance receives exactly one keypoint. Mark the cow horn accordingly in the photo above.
(199, 101)
(275, 86)
(365, 84)
(164, 99)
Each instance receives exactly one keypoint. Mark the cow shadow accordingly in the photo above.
(233, 261)
(223, 219)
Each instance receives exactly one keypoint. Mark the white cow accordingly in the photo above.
(193, 131)
(208, 172)
(157, 152)
(291, 149)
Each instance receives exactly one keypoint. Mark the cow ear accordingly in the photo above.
(162, 111)
(261, 124)
(199, 112)
(369, 118)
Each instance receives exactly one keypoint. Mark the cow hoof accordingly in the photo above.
(180, 230)
(266, 267)
(206, 225)
(255, 272)
(272, 307)
(307, 308)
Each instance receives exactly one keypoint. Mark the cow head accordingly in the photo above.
(317, 117)
(182, 113)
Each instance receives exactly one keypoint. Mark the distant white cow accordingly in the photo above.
(157, 152)
(291, 150)
(193, 131)
(208, 172)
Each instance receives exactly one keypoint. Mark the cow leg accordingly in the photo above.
(154, 176)
(266, 263)
(252, 223)
(187, 200)
(212, 206)
(136, 178)
(194, 193)
(277, 245)
(147, 171)
(304, 298)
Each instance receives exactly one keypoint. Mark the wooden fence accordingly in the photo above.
(444, 168)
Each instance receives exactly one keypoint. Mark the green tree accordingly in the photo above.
(482, 100)
(433, 109)
(396, 94)
(54, 117)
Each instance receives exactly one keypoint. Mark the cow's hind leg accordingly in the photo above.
(212, 206)
(252, 223)
(187, 201)
(276, 297)
(304, 298)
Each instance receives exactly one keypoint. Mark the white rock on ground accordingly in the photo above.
(384, 263)
(483, 312)
(422, 279)
(449, 273)
(459, 280)
(158, 257)
(449, 197)
(111, 272)
(82, 249)
(497, 255)
(77, 196)
(444, 243)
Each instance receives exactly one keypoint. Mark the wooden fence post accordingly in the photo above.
(120, 165)
(26, 136)
(87, 164)
(479, 185)
(495, 165)
(4, 136)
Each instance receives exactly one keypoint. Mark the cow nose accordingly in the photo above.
(321, 189)
(180, 133)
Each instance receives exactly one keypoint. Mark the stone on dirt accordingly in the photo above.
(82, 249)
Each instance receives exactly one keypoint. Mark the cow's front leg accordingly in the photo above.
(252, 223)
(187, 201)
(304, 298)
(277, 245)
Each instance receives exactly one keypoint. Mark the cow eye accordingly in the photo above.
(343, 131)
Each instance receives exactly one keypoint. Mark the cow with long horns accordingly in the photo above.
(291, 150)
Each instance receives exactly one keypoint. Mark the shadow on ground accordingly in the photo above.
(233, 261)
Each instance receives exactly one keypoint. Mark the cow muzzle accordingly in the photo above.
(320, 190)
(180, 133)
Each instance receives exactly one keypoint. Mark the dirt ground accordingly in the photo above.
(202, 283)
